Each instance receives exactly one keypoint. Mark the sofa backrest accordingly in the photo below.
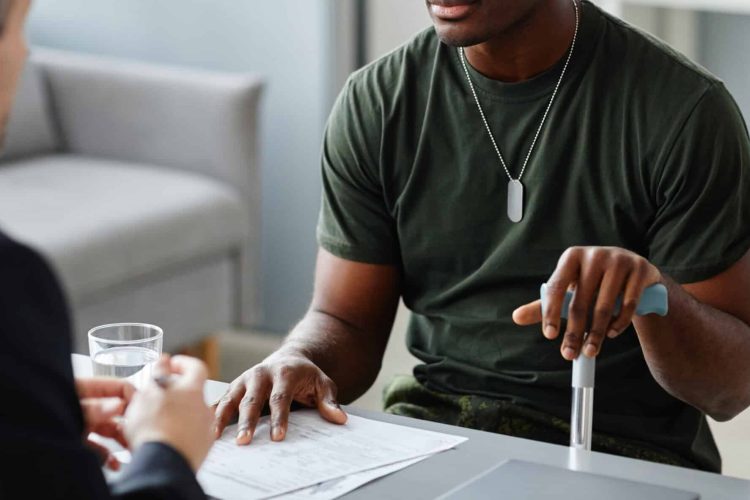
(31, 129)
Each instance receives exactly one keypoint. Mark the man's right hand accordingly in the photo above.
(285, 376)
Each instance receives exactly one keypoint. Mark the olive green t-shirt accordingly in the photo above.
(642, 150)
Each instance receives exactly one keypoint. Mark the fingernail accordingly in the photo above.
(589, 350)
(334, 403)
(569, 353)
(612, 334)
(550, 331)
(243, 435)
(277, 434)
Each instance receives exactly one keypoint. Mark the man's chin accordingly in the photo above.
(455, 36)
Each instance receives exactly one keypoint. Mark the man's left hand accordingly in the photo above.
(598, 275)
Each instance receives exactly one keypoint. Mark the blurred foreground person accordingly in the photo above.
(46, 416)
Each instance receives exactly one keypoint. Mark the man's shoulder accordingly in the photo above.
(651, 59)
(387, 73)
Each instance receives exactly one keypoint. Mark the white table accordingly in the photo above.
(483, 450)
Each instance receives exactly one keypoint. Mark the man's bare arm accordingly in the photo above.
(333, 354)
(346, 330)
(700, 351)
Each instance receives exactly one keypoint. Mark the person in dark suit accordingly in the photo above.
(46, 415)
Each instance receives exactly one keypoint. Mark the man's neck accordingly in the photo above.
(530, 47)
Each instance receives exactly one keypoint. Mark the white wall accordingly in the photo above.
(288, 42)
(392, 22)
(726, 39)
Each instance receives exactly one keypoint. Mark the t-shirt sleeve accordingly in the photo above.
(355, 223)
(702, 193)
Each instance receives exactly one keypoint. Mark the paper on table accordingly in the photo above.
(343, 485)
(327, 490)
(314, 451)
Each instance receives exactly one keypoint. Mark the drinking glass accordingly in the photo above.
(125, 350)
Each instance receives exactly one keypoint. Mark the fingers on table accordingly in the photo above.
(226, 408)
(281, 404)
(327, 403)
(248, 396)
(257, 392)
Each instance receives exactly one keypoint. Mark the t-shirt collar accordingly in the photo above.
(592, 20)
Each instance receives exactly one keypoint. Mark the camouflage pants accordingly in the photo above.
(407, 397)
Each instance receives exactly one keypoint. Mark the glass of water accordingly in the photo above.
(125, 350)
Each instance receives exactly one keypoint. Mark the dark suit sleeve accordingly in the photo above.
(42, 454)
(158, 471)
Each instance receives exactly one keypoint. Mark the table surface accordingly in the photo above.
(441, 473)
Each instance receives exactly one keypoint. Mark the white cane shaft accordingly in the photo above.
(581, 417)
(582, 404)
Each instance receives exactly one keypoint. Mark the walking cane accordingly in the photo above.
(653, 301)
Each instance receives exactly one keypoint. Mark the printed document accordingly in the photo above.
(314, 452)
(337, 487)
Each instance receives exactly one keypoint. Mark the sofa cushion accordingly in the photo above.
(104, 223)
(31, 129)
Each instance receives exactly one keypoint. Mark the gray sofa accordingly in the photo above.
(140, 184)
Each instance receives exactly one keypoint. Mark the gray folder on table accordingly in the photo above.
(517, 480)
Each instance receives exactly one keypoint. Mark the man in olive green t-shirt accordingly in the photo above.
(560, 146)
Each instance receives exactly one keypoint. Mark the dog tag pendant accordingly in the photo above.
(515, 200)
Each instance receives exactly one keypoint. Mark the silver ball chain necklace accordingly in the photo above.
(515, 188)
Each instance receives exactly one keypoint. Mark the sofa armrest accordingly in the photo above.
(199, 121)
